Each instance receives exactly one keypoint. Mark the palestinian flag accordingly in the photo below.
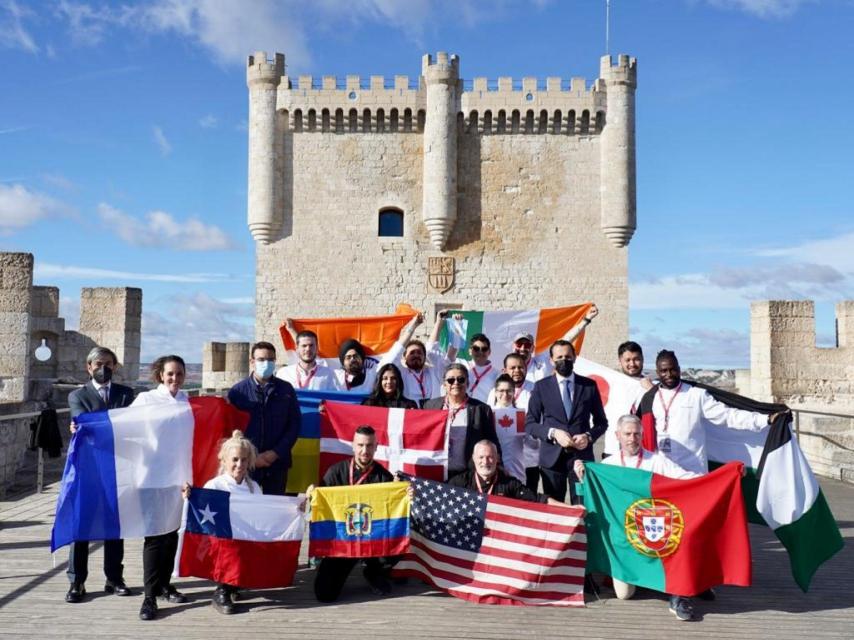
(679, 537)
(545, 325)
(780, 489)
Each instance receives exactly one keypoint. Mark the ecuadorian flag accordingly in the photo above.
(364, 521)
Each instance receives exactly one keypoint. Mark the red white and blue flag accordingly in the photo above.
(240, 539)
(495, 550)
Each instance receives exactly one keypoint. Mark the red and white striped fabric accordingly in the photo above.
(414, 441)
(495, 550)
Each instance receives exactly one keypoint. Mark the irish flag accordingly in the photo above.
(679, 537)
(545, 325)
(125, 468)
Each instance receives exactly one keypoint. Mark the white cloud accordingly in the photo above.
(162, 142)
(69, 309)
(763, 8)
(86, 23)
(44, 272)
(160, 229)
(59, 181)
(190, 320)
(209, 121)
(9, 130)
(836, 252)
(700, 347)
(21, 207)
(13, 35)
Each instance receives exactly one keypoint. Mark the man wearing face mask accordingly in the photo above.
(274, 418)
(99, 394)
(566, 415)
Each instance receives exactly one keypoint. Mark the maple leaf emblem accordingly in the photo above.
(505, 421)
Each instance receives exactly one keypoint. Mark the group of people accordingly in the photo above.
(562, 413)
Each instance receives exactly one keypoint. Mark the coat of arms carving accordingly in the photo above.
(440, 274)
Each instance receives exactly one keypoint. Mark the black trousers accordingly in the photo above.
(158, 560)
(555, 483)
(532, 478)
(332, 573)
(272, 480)
(78, 561)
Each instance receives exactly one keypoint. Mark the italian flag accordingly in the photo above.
(545, 325)
(679, 537)
(780, 488)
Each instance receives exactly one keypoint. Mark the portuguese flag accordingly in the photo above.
(545, 325)
(679, 537)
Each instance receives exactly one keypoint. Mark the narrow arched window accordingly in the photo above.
(391, 223)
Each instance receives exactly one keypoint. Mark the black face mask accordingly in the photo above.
(102, 375)
(564, 368)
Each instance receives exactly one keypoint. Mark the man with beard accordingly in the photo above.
(630, 359)
(565, 414)
(423, 365)
(307, 373)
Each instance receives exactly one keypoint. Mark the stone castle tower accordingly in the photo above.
(441, 193)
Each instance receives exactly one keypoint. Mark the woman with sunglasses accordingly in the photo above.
(469, 420)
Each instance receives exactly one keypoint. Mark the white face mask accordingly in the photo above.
(264, 368)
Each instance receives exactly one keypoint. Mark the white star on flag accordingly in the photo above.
(207, 515)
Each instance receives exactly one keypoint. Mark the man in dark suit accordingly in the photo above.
(98, 394)
(565, 413)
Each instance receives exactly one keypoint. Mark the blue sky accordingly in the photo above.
(123, 144)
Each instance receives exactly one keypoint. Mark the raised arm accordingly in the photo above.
(575, 331)
(409, 330)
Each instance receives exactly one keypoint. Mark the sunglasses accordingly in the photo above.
(476, 349)
(523, 343)
(457, 380)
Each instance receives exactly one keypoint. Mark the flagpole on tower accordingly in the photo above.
(608, 27)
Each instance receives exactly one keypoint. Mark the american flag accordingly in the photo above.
(495, 550)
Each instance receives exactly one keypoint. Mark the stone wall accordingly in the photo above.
(224, 364)
(16, 284)
(112, 317)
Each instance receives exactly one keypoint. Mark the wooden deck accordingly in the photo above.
(32, 588)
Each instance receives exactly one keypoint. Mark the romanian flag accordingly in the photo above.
(364, 521)
(376, 333)
(545, 325)
(679, 537)
(240, 539)
(414, 441)
(125, 467)
(305, 454)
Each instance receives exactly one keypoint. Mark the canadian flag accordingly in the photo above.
(510, 427)
(414, 441)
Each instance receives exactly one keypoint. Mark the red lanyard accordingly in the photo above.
(420, 381)
(480, 488)
(454, 412)
(518, 392)
(364, 475)
(477, 378)
(302, 384)
(623, 460)
(667, 406)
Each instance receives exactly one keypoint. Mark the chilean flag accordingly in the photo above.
(125, 468)
(240, 539)
(414, 441)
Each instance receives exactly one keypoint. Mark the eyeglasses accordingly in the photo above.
(457, 380)
(477, 349)
(523, 343)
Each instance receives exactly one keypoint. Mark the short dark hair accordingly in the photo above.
(630, 346)
(305, 333)
(664, 354)
(365, 430)
(513, 356)
(457, 366)
(480, 337)
(561, 343)
(261, 345)
(417, 343)
(504, 377)
(159, 365)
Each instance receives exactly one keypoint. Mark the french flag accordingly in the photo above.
(241, 539)
(125, 468)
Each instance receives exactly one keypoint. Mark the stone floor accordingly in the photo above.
(32, 586)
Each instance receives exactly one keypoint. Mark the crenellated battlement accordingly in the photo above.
(624, 72)
(261, 70)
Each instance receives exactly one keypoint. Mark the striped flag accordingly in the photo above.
(244, 540)
(414, 441)
(545, 325)
(495, 550)
(125, 467)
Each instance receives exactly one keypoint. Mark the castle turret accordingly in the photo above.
(619, 212)
(265, 145)
(441, 80)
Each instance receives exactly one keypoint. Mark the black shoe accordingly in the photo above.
(221, 601)
(590, 585)
(171, 594)
(681, 608)
(708, 595)
(379, 585)
(148, 611)
(76, 593)
(118, 588)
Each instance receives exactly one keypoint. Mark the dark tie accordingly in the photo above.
(104, 395)
(567, 399)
